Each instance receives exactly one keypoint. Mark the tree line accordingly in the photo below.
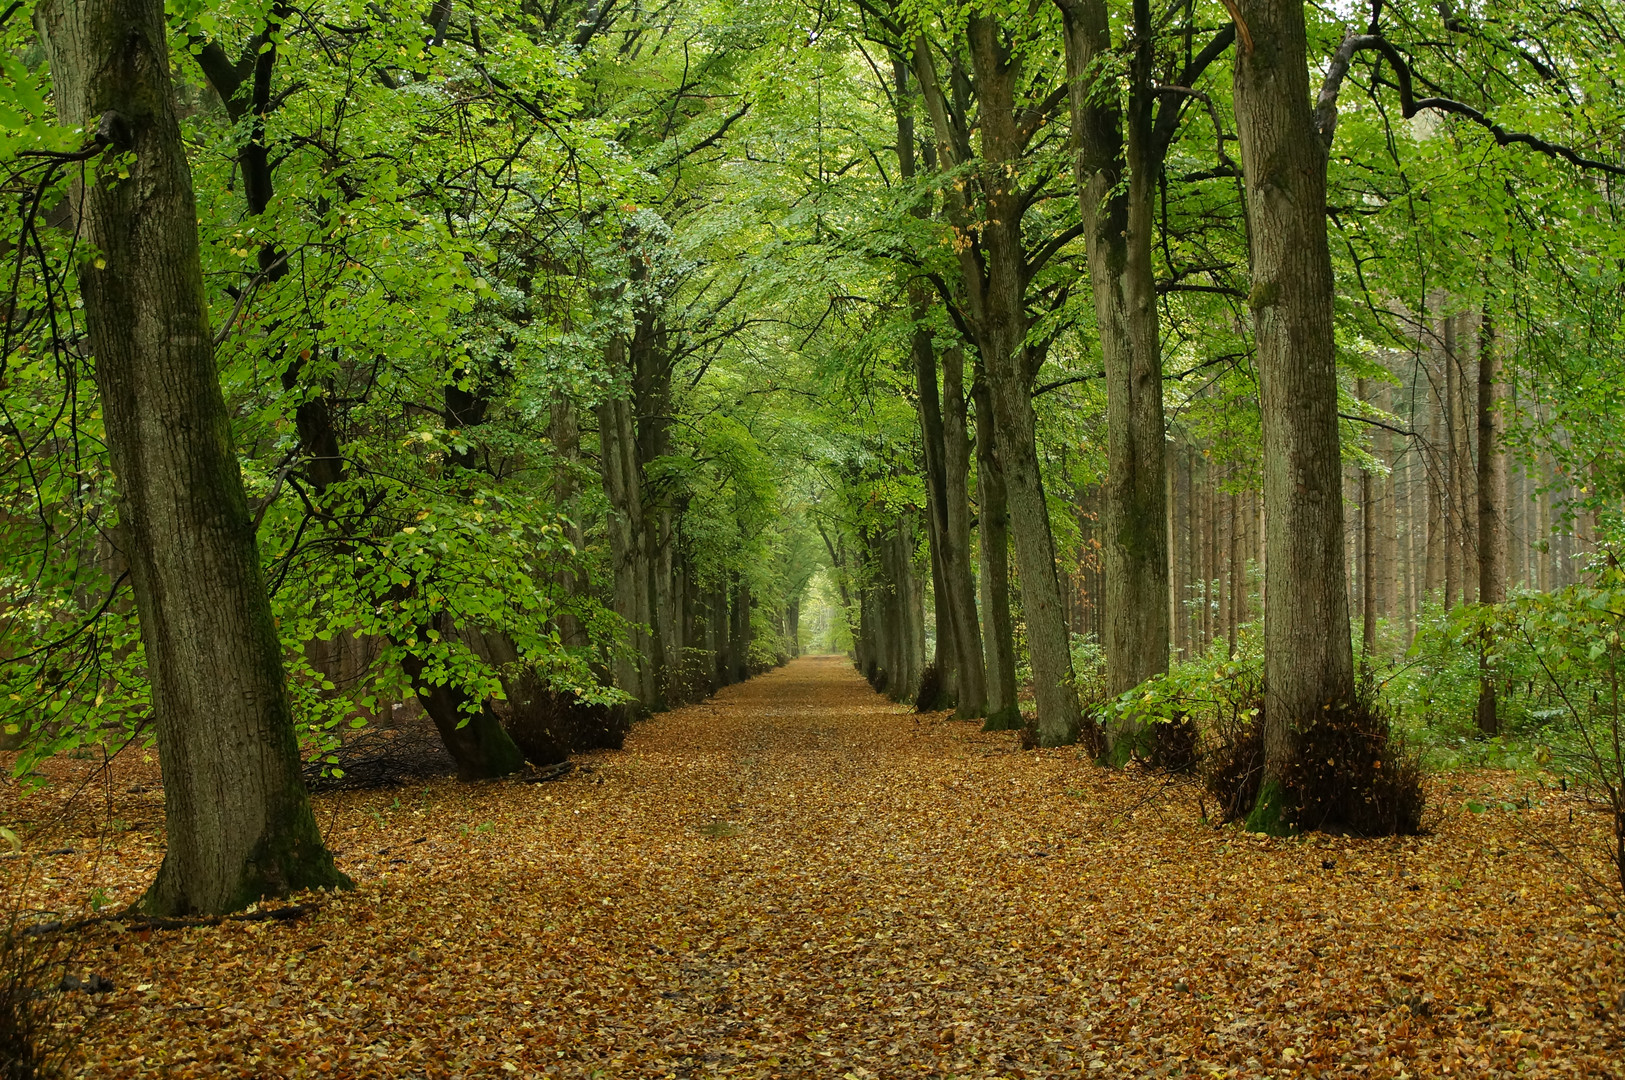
(541, 364)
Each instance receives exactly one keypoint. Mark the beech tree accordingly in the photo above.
(238, 820)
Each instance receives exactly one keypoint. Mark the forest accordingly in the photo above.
(812, 538)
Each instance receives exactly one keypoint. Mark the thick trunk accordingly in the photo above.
(471, 731)
(1492, 532)
(237, 817)
(1117, 231)
(993, 521)
(1309, 660)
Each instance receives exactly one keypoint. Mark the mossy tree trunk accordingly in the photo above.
(238, 818)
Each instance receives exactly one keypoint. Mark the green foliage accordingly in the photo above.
(1216, 691)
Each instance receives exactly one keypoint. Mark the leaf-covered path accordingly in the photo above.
(800, 879)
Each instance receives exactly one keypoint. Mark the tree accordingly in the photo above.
(1119, 165)
(238, 819)
(1309, 658)
(996, 270)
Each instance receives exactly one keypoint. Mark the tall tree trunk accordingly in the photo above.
(1452, 469)
(971, 681)
(1368, 557)
(237, 817)
(565, 434)
(993, 520)
(651, 410)
(1001, 324)
(739, 634)
(1433, 465)
(618, 465)
(1308, 655)
(1117, 232)
(1492, 533)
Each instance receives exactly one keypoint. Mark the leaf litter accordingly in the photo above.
(800, 879)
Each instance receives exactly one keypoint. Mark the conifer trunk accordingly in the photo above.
(237, 816)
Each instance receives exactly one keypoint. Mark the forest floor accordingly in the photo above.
(798, 878)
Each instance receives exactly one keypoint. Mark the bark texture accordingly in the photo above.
(1115, 185)
(993, 521)
(239, 824)
(1309, 658)
(1492, 532)
(997, 293)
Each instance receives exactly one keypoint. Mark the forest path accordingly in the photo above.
(799, 878)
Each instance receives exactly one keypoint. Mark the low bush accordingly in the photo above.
(1352, 773)
(933, 694)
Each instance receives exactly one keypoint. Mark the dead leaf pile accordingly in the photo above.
(800, 879)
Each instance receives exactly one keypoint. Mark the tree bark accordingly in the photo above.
(1117, 232)
(1309, 658)
(238, 818)
(622, 478)
(1492, 533)
(565, 434)
(993, 521)
(1452, 470)
(1003, 323)
(1368, 557)
(995, 274)
(971, 681)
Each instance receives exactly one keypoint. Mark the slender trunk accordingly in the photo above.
(1452, 471)
(1238, 578)
(971, 682)
(565, 434)
(1309, 660)
(1368, 557)
(1492, 539)
(1433, 459)
(1467, 481)
(1001, 324)
(739, 633)
(999, 639)
(618, 465)
(237, 817)
(651, 412)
